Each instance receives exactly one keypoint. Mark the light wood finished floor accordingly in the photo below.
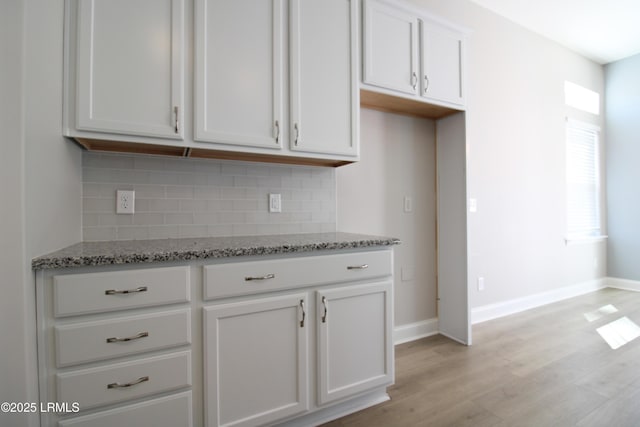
(543, 367)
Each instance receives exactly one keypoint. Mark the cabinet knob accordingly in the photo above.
(304, 314)
(358, 267)
(277, 127)
(426, 83)
(414, 80)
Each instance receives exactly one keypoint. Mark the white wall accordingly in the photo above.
(516, 164)
(39, 182)
(516, 156)
(14, 368)
(623, 151)
(397, 160)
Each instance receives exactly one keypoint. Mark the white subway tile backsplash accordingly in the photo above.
(178, 218)
(162, 205)
(149, 191)
(163, 232)
(179, 192)
(99, 233)
(178, 197)
(193, 205)
(133, 233)
(192, 230)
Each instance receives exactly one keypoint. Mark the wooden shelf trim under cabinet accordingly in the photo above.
(395, 104)
(201, 153)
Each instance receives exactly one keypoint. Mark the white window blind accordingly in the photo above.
(583, 180)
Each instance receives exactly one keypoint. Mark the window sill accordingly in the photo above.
(583, 240)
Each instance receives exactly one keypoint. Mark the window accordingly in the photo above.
(581, 98)
(583, 181)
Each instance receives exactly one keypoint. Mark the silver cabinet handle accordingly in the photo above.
(134, 337)
(177, 126)
(295, 127)
(414, 80)
(326, 309)
(304, 314)
(426, 83)
(277, 126)
(126, 291)
(267, 277)
(358, 267)
(138, 381)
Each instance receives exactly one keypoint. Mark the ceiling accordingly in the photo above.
(602, 30)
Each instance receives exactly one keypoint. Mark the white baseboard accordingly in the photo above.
(628, 285)
(493, 311)
(415, 331)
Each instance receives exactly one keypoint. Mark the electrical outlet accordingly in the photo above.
(275, 202)
(125, 202)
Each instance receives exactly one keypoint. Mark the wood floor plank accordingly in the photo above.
(544, 367)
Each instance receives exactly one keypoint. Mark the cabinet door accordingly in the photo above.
(390, 51)
(442, 62)
(255, 358)
(324, 76)
(129, 67)
(238, 72)
(354, 340)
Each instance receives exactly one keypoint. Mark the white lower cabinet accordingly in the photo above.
(355, 352)
(284, 356)
(256, 360)
(115, 346)
(293, 340)
(172, 410)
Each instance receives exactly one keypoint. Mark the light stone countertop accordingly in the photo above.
(185, 249)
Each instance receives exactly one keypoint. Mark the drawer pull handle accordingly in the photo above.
(304, 314)
(326, 309)
(135, 337)
(138, 381)
(267, 277)
(358, 267)
(126, 291)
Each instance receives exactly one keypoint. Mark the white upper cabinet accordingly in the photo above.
(390, 47)
(129, 67)
(324, 76)
(411, 54)
(273, 80)
(442, 63)
(239, 72)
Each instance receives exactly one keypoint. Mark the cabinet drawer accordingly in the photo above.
(91, 341)
(173, 410)
(117, 290)
(107, 384)
(241, 278)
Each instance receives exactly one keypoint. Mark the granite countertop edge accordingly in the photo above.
(85, 254)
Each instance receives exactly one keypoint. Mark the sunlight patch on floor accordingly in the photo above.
(619, 332)
(600, 313)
